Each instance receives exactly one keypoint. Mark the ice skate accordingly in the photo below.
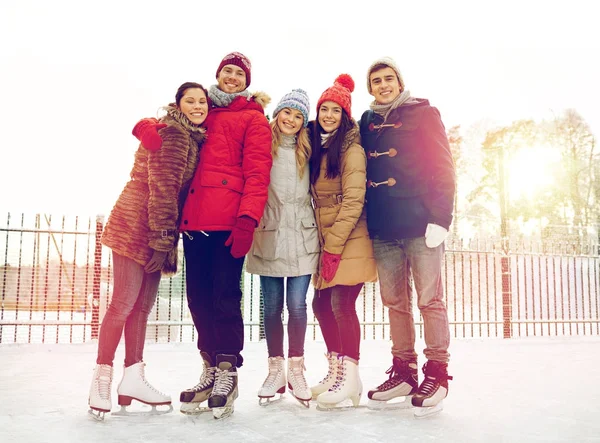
(134, 386)
(225, 390)
(397, 391)
(296, 381)
(192, 399)
(431, 393)
(99, 399)
(348, 386)
(274, 383)
(329, 380)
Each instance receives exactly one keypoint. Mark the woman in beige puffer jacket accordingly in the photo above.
(338, 185)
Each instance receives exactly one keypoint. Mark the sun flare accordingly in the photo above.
(530, 170)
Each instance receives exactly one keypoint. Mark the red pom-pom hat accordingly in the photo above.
(339, 93)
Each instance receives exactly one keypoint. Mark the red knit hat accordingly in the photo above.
(339, 93)
(237, 59)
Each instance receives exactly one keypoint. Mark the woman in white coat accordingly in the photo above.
(285, 250)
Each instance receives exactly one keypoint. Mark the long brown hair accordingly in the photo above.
(303, 148)
(333, 148)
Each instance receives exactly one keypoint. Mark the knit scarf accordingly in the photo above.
(223, 99)
(325, 136)
(385, 110)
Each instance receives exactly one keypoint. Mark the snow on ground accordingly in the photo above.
(537, 389)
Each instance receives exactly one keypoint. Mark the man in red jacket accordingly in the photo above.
(225, 201)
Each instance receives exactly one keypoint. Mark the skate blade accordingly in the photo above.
(97, 414)
(345, 405)
(427, 411)
(333, 408)
(305, 403)
(221, 413)
(193, 408)
(382, 405)
(266, 401)
(123, 412)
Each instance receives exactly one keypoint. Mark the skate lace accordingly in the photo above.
(428, 386)
(432, 382)
(147, 383)
(223, 381)
(103, 381)
(331, 371)
(297, 371)
(394, 379)
(274, 369)
(206, 379)
(340, 378)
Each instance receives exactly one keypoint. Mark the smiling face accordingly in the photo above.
(330, 116)
(290, 121)
(385, 86)
(231, 79)
(194, 105)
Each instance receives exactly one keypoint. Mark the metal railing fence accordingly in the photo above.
(56, 280)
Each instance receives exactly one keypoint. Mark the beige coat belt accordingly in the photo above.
(332, 200)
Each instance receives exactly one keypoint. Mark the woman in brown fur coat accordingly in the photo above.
(338, 184)
(142, 232)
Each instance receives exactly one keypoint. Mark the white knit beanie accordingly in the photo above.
(387, 61)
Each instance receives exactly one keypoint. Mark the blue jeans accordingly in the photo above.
(335, 308)
(395, 259)
(272, 289)
(133, 297)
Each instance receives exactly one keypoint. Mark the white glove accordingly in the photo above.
(435, 235)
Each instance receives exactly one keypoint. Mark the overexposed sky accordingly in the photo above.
(75, 76)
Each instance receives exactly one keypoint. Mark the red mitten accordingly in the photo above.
(146, 131)
(329, 265)
(241, 236)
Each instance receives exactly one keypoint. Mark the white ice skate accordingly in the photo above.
(397, 391)
(134, 386)
(296, 381)
(192, 399)
(274, 383)
(348, 386)
(329, 380)
(225, 390)
(99, 399)
(434, 389)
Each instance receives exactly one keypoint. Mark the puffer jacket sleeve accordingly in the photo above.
(354, 176)
(256, 167)
(165, 175)
(440, 200)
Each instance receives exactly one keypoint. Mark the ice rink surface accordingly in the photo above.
(538, 389)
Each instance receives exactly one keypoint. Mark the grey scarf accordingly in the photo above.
(385, 110)
(223, 99)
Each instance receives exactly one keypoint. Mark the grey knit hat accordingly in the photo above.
(297, 99)
(387, 61)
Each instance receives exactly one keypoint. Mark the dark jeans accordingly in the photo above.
(335, 308)
(134, 294)
(213, 293)
(272, 289)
